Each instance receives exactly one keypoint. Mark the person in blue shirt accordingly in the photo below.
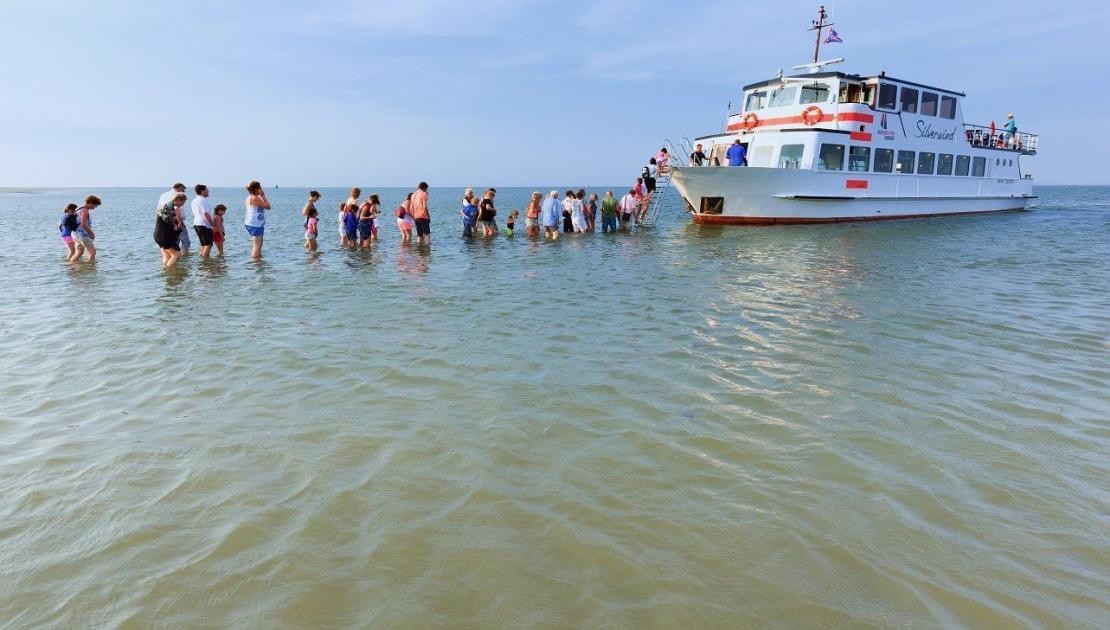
(551, 213)
(470, 215)
(737, 154)
(1011, 129)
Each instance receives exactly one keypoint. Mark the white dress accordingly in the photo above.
(578, 216)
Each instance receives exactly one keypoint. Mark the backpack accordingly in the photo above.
(70, 222)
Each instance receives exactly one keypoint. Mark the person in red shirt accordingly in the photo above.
(418, 207)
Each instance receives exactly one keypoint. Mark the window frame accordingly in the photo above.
(856, 149)
(893, 107)
(921, 162)
(791, 89)
(935, 102)
(978, 167)
(941, 161)
(889, 154)
(902, 100)
(800, 158)
(810, 85)
(947, 99)
(899, 161)
(821, 156)
(753, 94)
(963, 163)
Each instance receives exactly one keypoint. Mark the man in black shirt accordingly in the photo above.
(697, 158)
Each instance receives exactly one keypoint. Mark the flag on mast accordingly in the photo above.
(833, 37)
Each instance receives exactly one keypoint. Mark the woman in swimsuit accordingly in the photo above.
(532, 216)
(404, 220)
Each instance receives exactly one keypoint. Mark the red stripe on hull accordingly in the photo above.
(861, 136)
(721, 219)
(856, 183)
(792, 120)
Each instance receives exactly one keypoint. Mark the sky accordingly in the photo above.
(493, 92)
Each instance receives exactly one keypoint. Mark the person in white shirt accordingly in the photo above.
(167, 197)
(628, 206)
(202, 219)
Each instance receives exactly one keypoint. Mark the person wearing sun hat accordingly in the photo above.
(1011, 128)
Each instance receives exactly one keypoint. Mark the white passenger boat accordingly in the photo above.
(831, 146)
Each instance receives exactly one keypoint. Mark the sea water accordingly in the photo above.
(888, 424)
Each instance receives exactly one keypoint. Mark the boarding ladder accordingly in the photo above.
(663, 181)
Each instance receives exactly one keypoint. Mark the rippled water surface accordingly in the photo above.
(889, 424)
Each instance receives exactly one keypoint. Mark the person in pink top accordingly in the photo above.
(418, 207)
(662, 159)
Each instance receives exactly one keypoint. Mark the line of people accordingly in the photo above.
(358, 219)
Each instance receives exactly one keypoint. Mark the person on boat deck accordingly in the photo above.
(662, 159)
(1011, 128)
(737, 154)
(697, 158)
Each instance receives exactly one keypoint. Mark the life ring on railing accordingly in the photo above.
(812, 115)
(750, 121)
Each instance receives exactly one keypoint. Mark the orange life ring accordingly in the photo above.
(750, 121)
(812, 115)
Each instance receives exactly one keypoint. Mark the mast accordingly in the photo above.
(819, 26)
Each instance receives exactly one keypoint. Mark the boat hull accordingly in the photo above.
(770, 196)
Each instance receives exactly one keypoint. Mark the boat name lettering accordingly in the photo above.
(925, 130)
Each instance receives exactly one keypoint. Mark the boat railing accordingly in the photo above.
(988, 138)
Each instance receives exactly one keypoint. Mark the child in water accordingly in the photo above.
(218, 228)
(66, 227)
(311, 228)
(350, 225)
(511, 223)
(470, 215)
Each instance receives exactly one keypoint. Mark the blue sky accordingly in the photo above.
(497, 92)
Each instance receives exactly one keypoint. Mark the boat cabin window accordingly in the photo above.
(790, 155)
(760, 156)
(979, 167)
(831, 157)
(963, 165)
(852, 93)
(815, 93)
(884, 160)
(888, 96)
(909, 100)
(928, 104)
(859, 159)
(905, 162)
(925, 162)
(947, 107)
(944, 164)
(756, 100)
(784, 96)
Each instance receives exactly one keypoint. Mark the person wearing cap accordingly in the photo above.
(1011, 128)
(551, 212)
(167, 198)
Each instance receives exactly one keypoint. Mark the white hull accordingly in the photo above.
(758, 195)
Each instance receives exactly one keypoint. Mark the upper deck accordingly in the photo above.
(839, 101)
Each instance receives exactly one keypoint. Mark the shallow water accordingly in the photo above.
(887, 424)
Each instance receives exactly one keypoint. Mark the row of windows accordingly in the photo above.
(793, 94)
(831, 158)
(913, 101)
(890, 97)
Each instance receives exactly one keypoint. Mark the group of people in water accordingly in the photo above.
(359, 218)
